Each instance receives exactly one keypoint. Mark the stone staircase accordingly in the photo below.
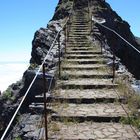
(85, 105)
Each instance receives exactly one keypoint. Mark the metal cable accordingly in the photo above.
(119, 97)
(37, 73)
(49, 90)
(117, 35)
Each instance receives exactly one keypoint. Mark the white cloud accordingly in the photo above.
(10, 73)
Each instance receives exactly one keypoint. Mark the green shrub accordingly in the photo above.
(64, 76)
(18, 138)
(7, 94)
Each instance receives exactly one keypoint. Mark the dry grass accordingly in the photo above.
(132, 100)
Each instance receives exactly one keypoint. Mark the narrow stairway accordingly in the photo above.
(85, 104)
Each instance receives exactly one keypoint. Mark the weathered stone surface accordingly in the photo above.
(82, 66)
(85, 110)
(87, 94)
(88, 82)
(88, 73)
(91, 130)
(43, 40)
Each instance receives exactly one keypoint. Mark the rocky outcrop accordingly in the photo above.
(9, 102)
(41, 43)
(138, 40)
(128, 56)
(43, 40)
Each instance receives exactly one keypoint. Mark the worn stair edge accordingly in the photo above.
(81, 68)
(81, 119)
(87, 61)
(83, 52)
(40, 99)
(98, 76)
(85, 56)
(76, 86)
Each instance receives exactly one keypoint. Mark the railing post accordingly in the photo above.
(88, 10)
(73, 5)
(45, 105)
(113, 67)
(66, 38)
(59, 62)
(101, 47)
(90, 16)
(68, 31)
(91, 23)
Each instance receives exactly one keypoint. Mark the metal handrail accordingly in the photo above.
(101, 24)
(116, 34)
(35, 77)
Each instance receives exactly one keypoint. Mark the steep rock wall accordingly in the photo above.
(129, 57)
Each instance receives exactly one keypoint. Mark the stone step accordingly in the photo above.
(84, 52)
(91, 131)
(79, 26)
(81, 41)
(86, 74)
(87, 55)
(78, 96)
(73, 43)
(77, 38)
(84, 67)
(78, 34)
(80, 19)
(80, 23)
(77, 20)
(76, 30)
(79, 49)
(79, 31)
(87, 61)
(75, 35)
(79, 56)
(77, 45)
(87, 96)
(77, 42)
(78, 100)
(80, 16)
(86, 83)
(80, 45)
(103, 112)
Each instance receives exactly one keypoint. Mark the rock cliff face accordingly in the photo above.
(44, 37)
(41, 43)
(129, 57)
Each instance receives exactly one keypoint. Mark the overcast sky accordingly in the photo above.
(19, 19)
